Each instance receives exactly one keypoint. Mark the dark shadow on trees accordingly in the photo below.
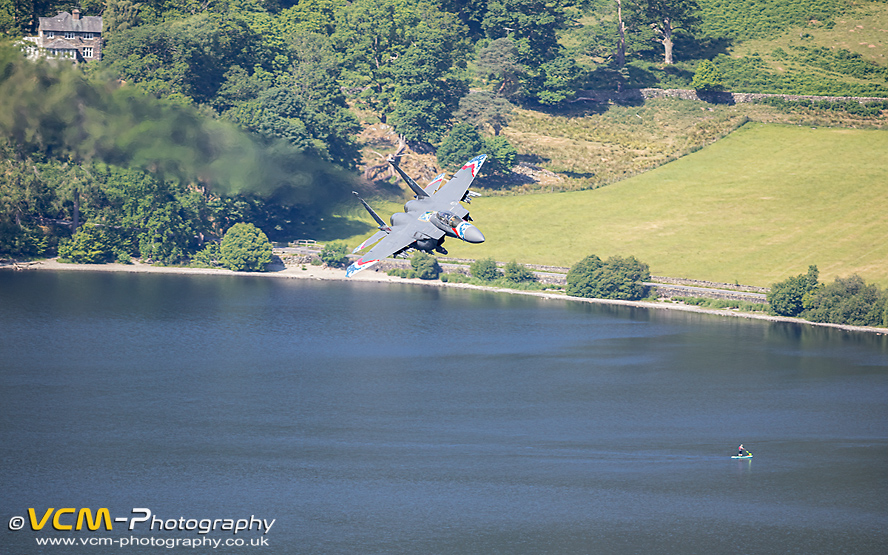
(612, 79)
(716, 97)
(703, 48)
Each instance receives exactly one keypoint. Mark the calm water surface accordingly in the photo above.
(374, 418)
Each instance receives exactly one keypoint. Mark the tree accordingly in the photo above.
(665, 17)
(708, 78)
(91, 245)
(426, 93)
(462, 144)
(557, 80)
(335, 254)
(499, 59)
(485, 269)
(531, 24)
(424, 266)
(785, 297)
(245, 248)
(617, 278)
(518, 273)
(846, 301)
(482, 108)
(501, 156)
(411, 44)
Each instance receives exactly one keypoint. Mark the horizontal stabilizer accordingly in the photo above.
(417, 190)
(382, 224)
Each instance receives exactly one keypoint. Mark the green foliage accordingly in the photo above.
(665, 17)
(866, 109)
(462, 144)
(189, 57)
(707, 78)
(482, 108)
(22, 241)
(785, 297)
(424, 266)
(208, 257)
(557, 81)
(245, 248)
(499, 61)
(485, 269)
(335, 254)
(752, 74)
(92, 244)
(617, 278)
(746, 19)
(847, 301)
(399, 52)
(517, 273)
(839, 61)
(501, 156)
(743, 306)
(531, 24)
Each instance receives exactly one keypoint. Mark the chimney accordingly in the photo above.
(75, 13)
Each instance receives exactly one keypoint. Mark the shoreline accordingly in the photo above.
(322, 273)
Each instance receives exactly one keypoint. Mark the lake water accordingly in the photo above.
(388, 418)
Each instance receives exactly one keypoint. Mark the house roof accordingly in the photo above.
(65, 22)
(60, 44)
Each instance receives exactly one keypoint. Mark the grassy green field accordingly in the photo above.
(753, 208)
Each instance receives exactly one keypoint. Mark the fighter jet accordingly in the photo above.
(433, 214)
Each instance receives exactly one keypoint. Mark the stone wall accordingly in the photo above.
(629, 96)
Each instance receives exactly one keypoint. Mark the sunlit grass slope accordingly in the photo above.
(755, 208)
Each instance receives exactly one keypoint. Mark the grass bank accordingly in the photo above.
(754, 208)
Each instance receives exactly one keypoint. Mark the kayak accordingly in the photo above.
(749, 456)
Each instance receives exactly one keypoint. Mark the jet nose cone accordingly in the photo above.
(473, 235)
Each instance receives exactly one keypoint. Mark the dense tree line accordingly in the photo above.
(614, 278)
(845, 301)
(215, 113)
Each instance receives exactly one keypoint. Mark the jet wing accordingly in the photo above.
(399, 238)
(452, 192)
(371, 240)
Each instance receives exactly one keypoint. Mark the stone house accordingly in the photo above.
(68, 35)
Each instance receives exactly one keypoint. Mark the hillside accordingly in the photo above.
(754, 208)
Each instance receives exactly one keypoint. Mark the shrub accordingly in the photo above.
(245, 248)
(618, 278)
(425, 266)
(501, 155)
(462, 144)
(208, 257)
(22, 241)
(786, 296)
(517, 273)
(708, 78)
(847, 301)
(485, 269)
(90, 245)
(335, 254)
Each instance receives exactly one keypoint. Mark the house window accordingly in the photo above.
(88, 52)
(87, 35)
(49, 34)
(70, 35)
